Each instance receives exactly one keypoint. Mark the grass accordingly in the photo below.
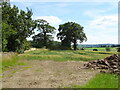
(9, 59)
(65, 55)
(102, 48)
(101, 81)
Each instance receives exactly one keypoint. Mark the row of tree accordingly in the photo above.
(17, 25)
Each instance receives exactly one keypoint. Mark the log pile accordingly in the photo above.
(110, 64)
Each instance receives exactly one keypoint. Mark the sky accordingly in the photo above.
(99, 19)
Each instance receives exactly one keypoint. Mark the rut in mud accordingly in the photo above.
(47, 74)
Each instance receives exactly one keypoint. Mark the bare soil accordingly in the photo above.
(47, 74)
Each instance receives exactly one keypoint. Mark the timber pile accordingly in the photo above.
(110, 64)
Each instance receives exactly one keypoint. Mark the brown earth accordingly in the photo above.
(107, 65)
(47, 74)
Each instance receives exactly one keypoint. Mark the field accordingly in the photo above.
(65, 55)
(51, 68)
(102, 49)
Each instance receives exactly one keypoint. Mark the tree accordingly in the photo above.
(45, 36)
(7, 31)
(71, 32)
(17, 26)
(38, 40)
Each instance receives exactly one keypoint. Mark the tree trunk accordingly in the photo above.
(75, 44)
(45, 40)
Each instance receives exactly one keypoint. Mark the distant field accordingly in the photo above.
(102, 49)
(65, 55)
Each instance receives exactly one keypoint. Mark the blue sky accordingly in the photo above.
(99, 19)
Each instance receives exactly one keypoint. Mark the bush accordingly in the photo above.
(95, 49)
(118, 49)
(65, 48)
(59, 47)
(26, 45)
(82, 49)
(108, 49)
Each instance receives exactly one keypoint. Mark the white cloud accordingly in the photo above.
(102, 29)
(53, 20)
(109, 22)
(94, 13)
(101, 39)
(105, 21)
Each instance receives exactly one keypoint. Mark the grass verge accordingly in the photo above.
(9, 59)
(101, 80)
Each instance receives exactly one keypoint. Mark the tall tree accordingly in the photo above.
(71, 32)
(46, 31)
(17, 26)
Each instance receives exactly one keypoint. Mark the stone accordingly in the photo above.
(110, 63)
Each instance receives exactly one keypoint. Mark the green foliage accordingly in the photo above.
(27, 45)
(7, 31)
(95, 49)
(17, 25)
(118, 49)
(38, 40)
(82, 49)
(108, 49)
(44, 38)
(69, 33)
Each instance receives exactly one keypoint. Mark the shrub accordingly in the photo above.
(107, 48)
(82, 49)
(65, 48)
(27, 45)
(95, 49)
(118, 49)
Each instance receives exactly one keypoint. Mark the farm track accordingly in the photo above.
(47, 74)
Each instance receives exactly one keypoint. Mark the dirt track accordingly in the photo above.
(47, 74)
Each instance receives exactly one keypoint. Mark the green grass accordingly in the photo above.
(10, 59)
(65, 55)
(102, 49)
(58, 55)
(101, 81)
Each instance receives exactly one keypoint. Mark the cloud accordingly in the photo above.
(53, 20)
(101, 39)
(102, 29)
(105, 21)
(94, 13)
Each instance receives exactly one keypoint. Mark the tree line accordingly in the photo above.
(17, 25)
